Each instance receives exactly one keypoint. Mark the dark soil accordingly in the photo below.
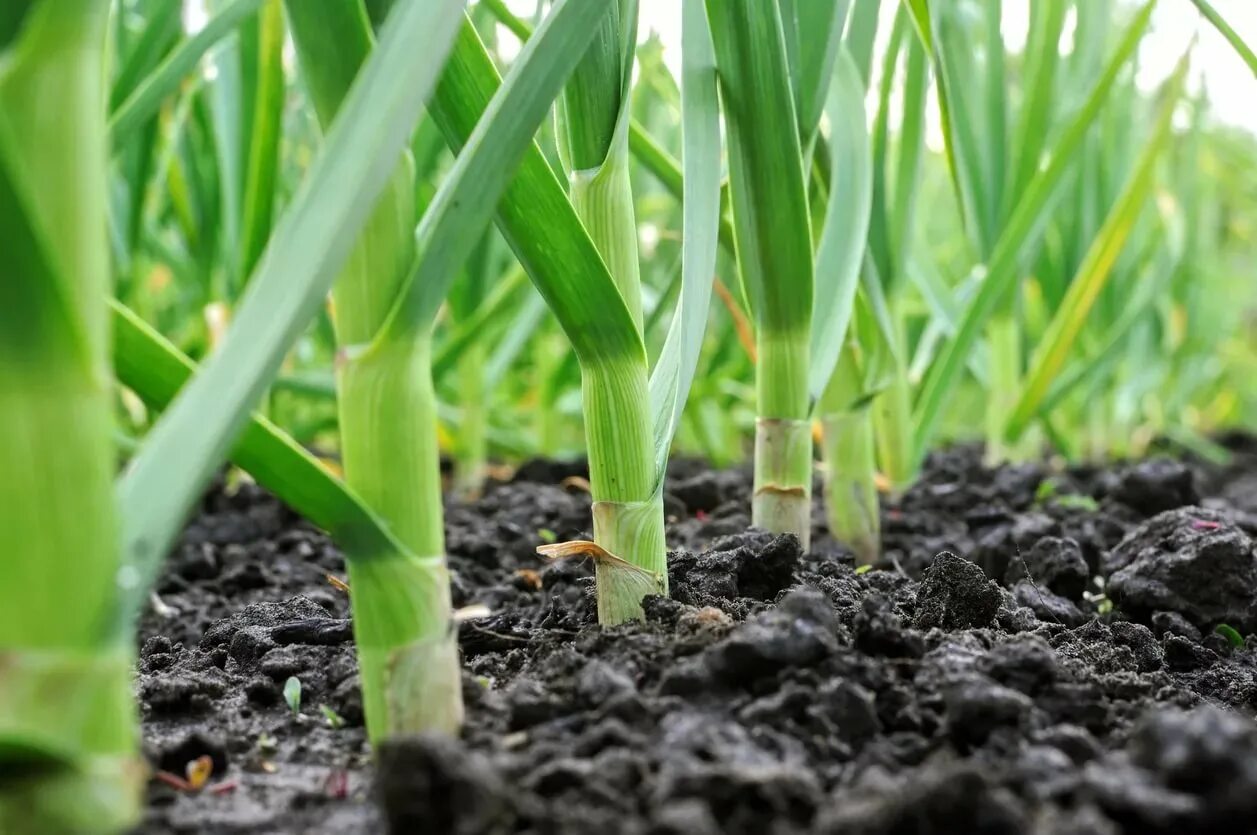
(1037, 653)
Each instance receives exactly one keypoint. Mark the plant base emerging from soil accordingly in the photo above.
(851, 503)
(783, 477)
(68, 755)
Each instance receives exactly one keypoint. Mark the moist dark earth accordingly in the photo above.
(1038, 651)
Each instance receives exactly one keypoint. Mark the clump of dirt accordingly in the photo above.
(1035, 653)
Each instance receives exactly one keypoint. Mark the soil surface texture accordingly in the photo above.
(1038, 651)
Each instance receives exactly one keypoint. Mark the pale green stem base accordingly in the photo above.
(1004, 338)
(67, 743)
(851, 504)
(893, 430)
(628, 513)
(782, 502)
(401, 603)
(632, 528)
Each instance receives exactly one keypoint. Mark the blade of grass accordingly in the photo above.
(1227, 31)
(140, 106)
(1022, 230)
(263, 171)
(1097, 267)
(673, 374)
(841, 249)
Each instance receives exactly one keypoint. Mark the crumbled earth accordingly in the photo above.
(1037, 652)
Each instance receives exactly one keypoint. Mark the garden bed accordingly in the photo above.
(776, 692)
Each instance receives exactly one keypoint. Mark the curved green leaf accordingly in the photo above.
(841, 249)
(1227, 31)
(1097, 266)
(537, 220)
(674, 370)
(145, 362)
(1020, 234)
(465, 203)
(140, 106)
(305, 254)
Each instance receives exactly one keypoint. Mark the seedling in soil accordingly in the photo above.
(1077, 501)
(196, 776)
(267, 744)
(334, 720)
(292, 694)
(1231, 634)
(1048, 491)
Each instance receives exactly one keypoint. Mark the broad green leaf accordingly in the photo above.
(1097, 267)
(841, 249)
(145, 101)
(770, 214)
(145, 362)
(485, 165)
(593, 120)
(860, 36)
(537, 220)
(305, 254)
(1020, 235)
(652, 156)
(595, 100)
(673, 374)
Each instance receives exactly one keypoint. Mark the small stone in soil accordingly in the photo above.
(1048, 607)
(1054, 563)
(1174, 624)
(1205, 573)
(1156, 485)
(955, 594)
(798, 632)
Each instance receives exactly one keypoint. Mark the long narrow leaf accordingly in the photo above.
(841, 249)
(305, 255)
(674, 371)
(156, 371)
(263, 172)
(1097, 266)
(1021, 232)
(817, 26)
(1227, 31)
(466, 201)
(140, 106)
(536, 218)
